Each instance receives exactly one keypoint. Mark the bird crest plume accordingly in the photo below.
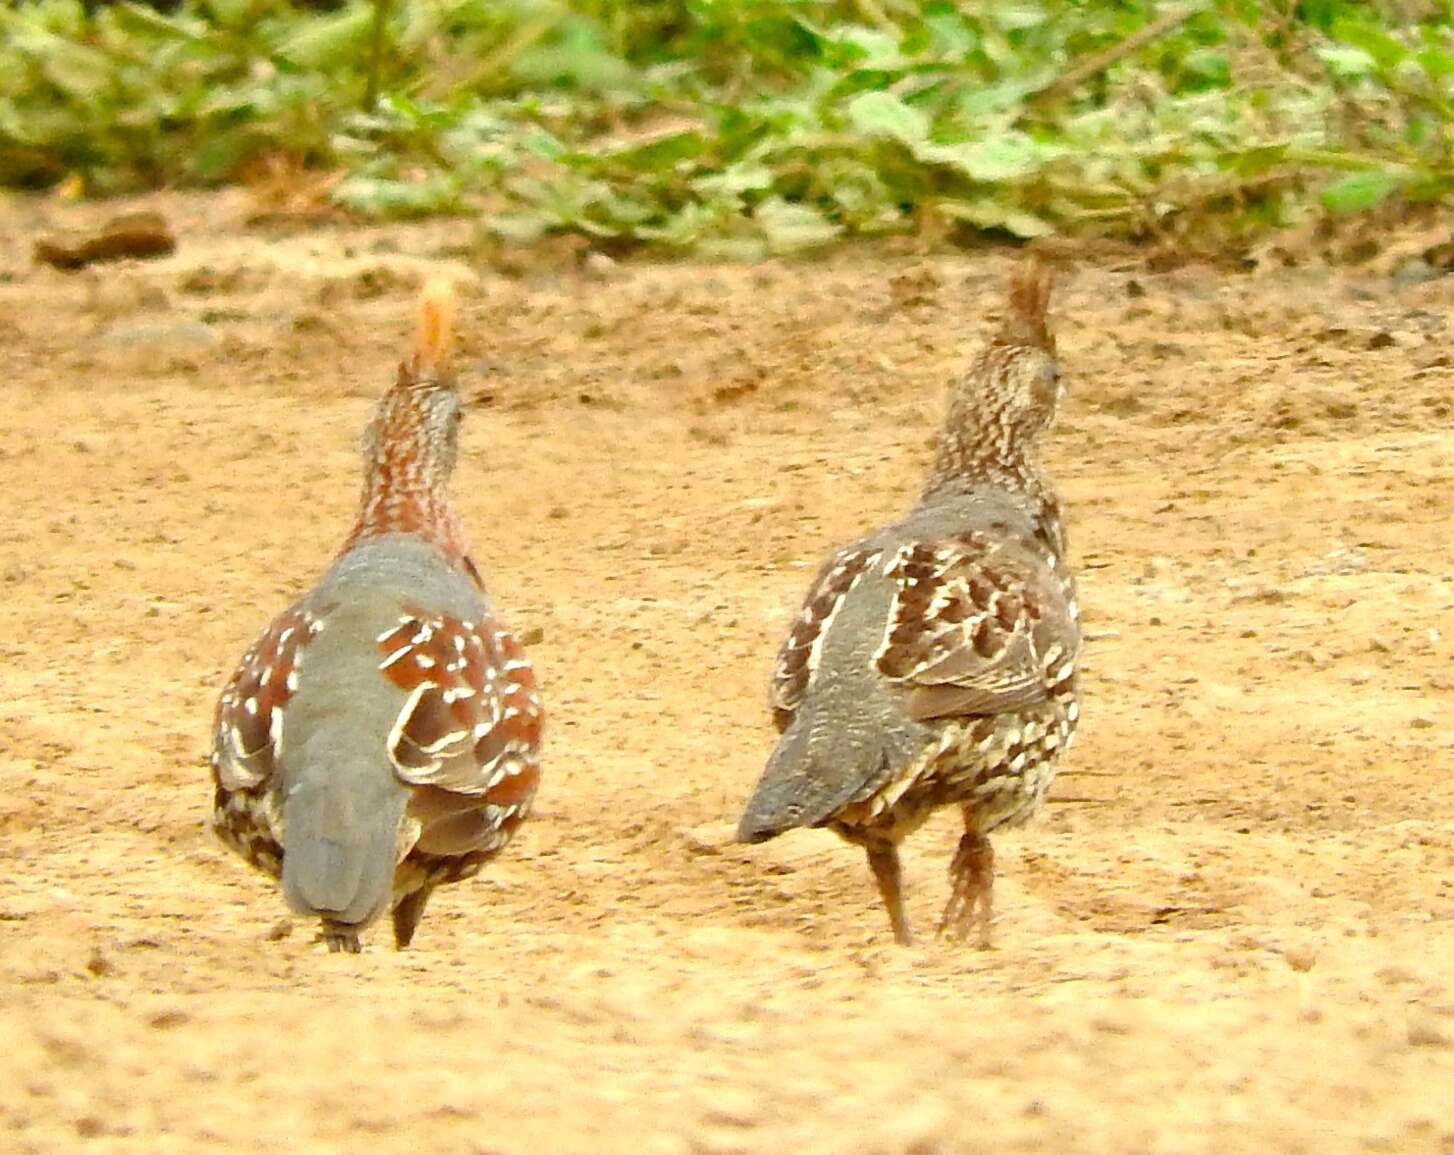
(435, 333)
(1024, 323)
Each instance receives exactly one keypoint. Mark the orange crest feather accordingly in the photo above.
(437, 308)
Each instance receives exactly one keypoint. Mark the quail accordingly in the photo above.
(934, 660)
(382, 736)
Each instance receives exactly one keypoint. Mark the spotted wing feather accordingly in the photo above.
(798, 657)
(974, 629)
(247, 736)
(469, 733)
(248, 724)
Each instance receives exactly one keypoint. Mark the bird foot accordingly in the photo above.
(340, 939)
(971, 900)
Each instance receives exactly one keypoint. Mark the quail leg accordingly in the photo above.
(883, 859)
(340, 936)
(407, 913)
(972, 878)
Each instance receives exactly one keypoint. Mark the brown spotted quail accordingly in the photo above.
(934, 661)
(382, 736)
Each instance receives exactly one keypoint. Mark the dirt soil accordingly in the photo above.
(1233, 932)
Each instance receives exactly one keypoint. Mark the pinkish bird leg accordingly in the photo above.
(972, 877)
(407, 913)
(883, 859)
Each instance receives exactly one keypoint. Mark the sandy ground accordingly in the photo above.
(1241, 939)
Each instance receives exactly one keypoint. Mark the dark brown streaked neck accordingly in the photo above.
(977, 449)
(977, 444)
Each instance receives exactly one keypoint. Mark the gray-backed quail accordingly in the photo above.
(382, 736)
(934, 660)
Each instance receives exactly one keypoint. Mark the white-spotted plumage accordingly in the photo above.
(934, 660)
(382, 747)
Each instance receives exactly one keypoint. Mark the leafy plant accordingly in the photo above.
(747, 126)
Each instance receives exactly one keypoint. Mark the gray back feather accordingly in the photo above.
(852, 729)
(342, 800)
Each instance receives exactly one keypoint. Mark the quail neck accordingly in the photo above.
(992, 430)
(409, 452)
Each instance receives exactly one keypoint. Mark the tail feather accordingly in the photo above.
(814, 772)
(341, 848)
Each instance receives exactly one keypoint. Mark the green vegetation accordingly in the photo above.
(738, 126)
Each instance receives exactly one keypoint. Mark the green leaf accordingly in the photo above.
(397, 198)
(543, 144)
(736, 179)
(991, 98)
(1206, 68)
(519, 228)
(233, 14)
(575, 57)
(1387, 50)
(1361, 190)
(662, 152)
(866, 47)
(791, 228)
(953, 35)
(1436, 63)
(78, 71)
(136, 20)
(1346, 62)
(989, 214)
(882, 114)
(1006, 157)
(220, 155)
(328, 42)
(1015, 17)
